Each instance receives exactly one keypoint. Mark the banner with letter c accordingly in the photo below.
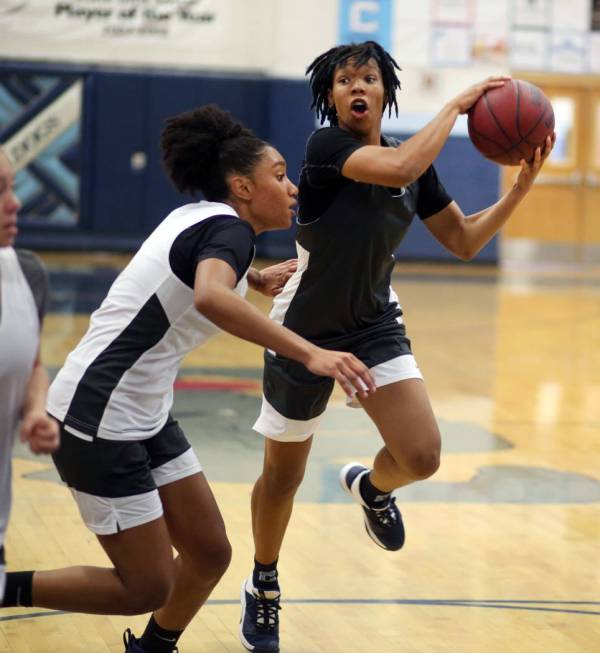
(366, 20)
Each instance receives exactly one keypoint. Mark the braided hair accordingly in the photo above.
(322, 69)
(201, 147)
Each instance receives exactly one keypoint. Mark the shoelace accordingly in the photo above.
(386, 516)
(266, 615)
(129, 638)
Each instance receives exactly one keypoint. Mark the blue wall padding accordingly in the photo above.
(289, 124)
(124, 111)
(118, 130)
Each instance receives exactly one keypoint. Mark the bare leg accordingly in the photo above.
(142, 579)
(273, 495)
(402, 413)
(198, 534)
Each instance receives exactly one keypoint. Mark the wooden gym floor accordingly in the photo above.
(503, 544)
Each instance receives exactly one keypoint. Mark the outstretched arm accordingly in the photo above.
(464, 235)
(400, 166)
(214, 297)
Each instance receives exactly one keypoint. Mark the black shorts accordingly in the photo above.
(115, 482)
(294, 399)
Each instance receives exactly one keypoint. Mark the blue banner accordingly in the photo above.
(366, 20)
(40, 124)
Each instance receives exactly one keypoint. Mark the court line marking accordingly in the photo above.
(497, 604)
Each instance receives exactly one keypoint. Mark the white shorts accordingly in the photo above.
(275, 426)
(108, 515)
(114, 482)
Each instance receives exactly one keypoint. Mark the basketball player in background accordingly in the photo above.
(359, 191)
(23, 379)
(136, 480)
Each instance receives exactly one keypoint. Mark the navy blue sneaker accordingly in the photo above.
(384, 525)
(132, 644)
(259, 623)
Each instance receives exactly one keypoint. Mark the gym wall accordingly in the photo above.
(85, 87)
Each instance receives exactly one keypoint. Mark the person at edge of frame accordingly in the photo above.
(23, 378)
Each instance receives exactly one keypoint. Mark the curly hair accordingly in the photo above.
(323, 68)
(201, 147)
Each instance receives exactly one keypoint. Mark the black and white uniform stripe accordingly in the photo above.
(118, 383)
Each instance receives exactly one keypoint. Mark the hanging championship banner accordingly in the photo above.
(361, 20)
(114, 31)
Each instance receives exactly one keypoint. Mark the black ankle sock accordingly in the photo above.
(373, 497)
(18, 590)
(157, 639)
(265, 577)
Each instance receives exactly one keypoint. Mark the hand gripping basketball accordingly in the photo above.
(508, 123)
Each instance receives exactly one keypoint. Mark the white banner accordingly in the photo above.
(117, 31)
(529, 50)
(453, 12)
(569, 52)
(528, 14)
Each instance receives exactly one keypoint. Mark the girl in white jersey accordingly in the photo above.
(136, 480)
(23, 379)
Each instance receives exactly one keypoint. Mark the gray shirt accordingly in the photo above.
(23, 293)
(37, 278)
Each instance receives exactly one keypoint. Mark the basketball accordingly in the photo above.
(508, 123)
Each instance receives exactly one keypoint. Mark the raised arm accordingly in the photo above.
(215, 298)
(465, 236)
(400, 166)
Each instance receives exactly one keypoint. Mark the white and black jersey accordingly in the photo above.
(340, 297)
(118, 383)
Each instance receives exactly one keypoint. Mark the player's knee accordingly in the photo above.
(149, 595)
(221, 559)
(424, 462)
(213, 560)
(282, 482)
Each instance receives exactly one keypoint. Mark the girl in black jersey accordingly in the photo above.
(136, 480)
(358, 192)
